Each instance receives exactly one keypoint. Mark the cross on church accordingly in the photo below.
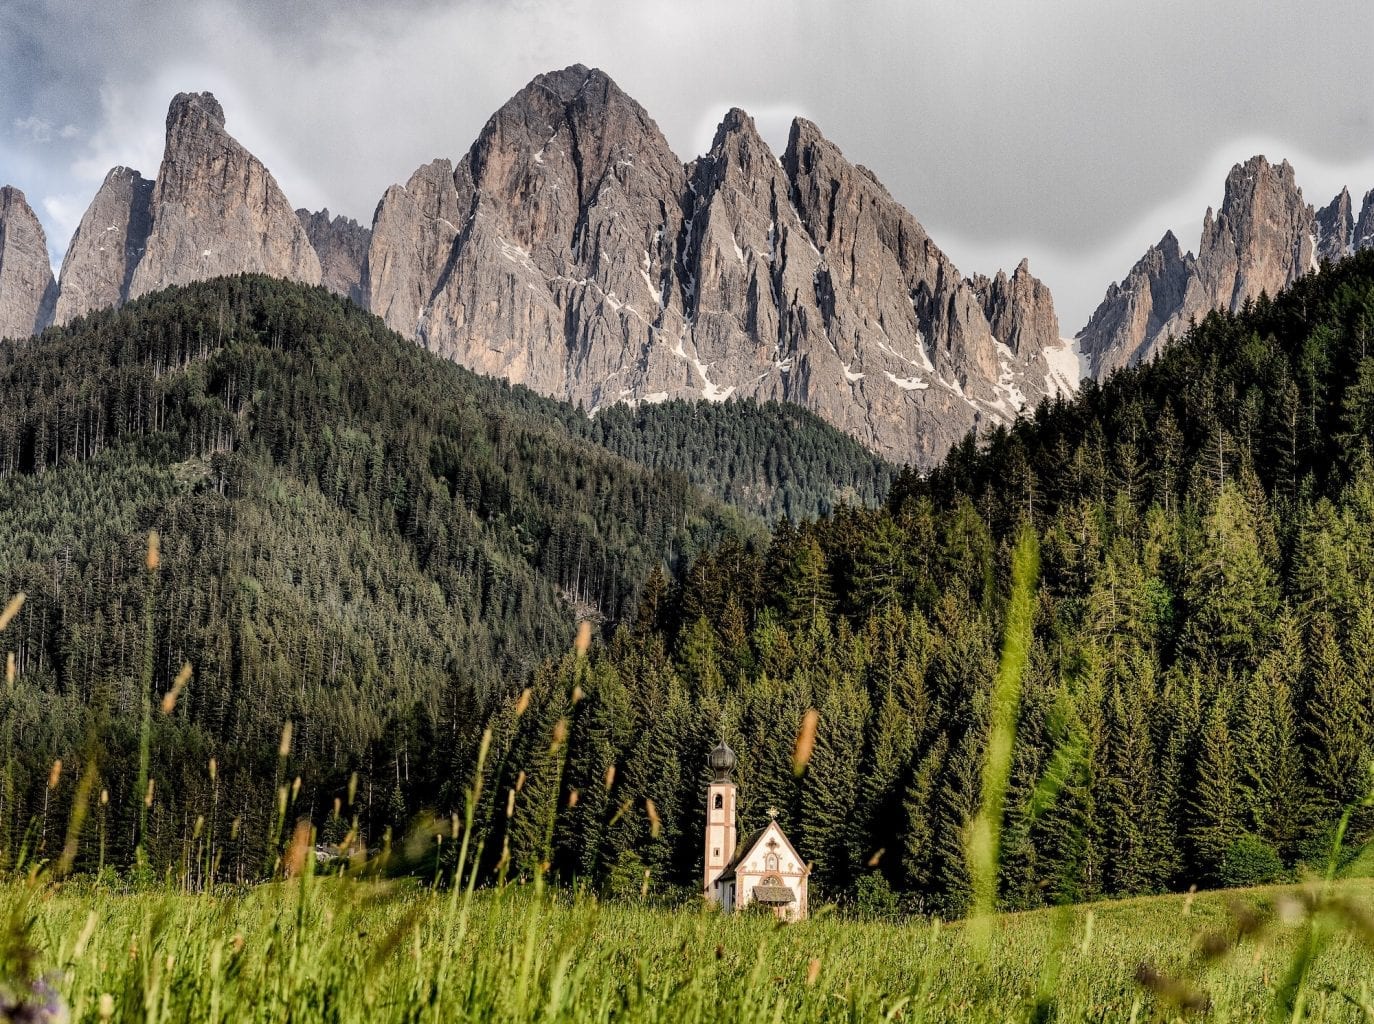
(773, 813)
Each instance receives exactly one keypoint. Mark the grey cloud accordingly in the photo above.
(1075, 131)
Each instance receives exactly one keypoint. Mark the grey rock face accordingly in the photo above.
(413, 231)
(571, 251)
(28, 293)
(341, 244)
(1019, 310)
(107, 246)
(562, 278)
(1156, 301)
(1335, 228)
(216, 209)
(1364, 228)
(1263, 238)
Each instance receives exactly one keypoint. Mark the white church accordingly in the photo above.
(765, 869)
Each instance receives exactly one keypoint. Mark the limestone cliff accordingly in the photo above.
(28, 293)
(216, 209)
(107, 246)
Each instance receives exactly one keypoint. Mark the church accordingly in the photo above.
(765, 869)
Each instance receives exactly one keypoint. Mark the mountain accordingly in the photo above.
(570, 250)
(355, 536)
(1262, 239)
(27, 290)
(341, 244)
(213, 209)
(109, 242)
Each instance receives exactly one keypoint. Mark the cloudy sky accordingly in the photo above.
(1070, 131)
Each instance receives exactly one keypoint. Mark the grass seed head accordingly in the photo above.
(572, 798)
(299, 849)
(284, 749)
(154, 551)
(651, 809)
(55, 775)
(522, 702)
(11, 610)
(813, 971)
(148, 796)
(806, 741)
(610, 777)
(214, 769)
(10, 669)
(584, 638)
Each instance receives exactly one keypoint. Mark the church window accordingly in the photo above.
(771, 862)
(720, 801)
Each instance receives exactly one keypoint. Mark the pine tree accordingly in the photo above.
(1217, 805)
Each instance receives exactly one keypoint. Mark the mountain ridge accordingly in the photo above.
(1261, 239)
(566, 248)
(571, 250)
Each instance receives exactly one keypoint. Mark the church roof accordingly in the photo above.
(774, 895)
(747, 847)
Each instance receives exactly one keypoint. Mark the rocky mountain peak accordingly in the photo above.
(1335, 228)
(28, 293)
(1140, 313)
(341, 243)
(186, 106)
(1364, 228)
(216, 209)
(1019, 310)
(107, 246)
(1261, 239)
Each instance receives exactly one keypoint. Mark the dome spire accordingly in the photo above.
(722, 762)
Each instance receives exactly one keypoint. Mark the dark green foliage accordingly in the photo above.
(1195, 707)
(1250, 861)
(1196, 696)
(358, 538)
(775, 458)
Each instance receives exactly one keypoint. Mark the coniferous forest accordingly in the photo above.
(390, 553)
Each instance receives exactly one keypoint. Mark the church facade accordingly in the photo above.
(764, 869)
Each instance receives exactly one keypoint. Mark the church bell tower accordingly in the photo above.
(720, 817)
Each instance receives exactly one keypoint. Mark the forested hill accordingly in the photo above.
(1279, 397)
(356, 536)
(1197, 706)
(772, 458)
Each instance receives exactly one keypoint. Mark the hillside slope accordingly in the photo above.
(1196, 706)
(356, 536)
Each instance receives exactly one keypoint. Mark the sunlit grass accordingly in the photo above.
(315, 949)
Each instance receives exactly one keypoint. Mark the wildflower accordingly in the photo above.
(36, 1003)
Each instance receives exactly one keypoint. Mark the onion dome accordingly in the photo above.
(722, 762)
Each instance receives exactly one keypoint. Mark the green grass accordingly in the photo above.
(329, 950)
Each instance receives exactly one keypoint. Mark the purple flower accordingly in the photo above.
(38, 1003)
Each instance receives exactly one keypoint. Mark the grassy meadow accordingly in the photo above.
(326, 949)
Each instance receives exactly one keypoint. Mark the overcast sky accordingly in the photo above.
(1070, 131)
